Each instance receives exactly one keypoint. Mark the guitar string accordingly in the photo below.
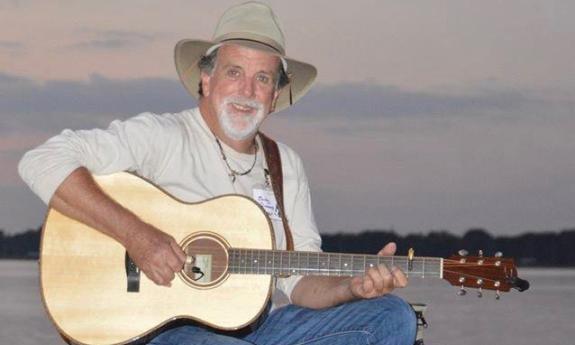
(253, 269)
(394, 260)
(295, 253)
(292, 253)
(344, 272)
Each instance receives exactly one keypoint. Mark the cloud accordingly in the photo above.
(12, 48)
(55, 104)
(101, 95)
(112, 40)
(379, 101)
(9, 4)
(345, 109)
(10, 45)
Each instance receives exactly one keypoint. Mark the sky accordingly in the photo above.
(426, 115)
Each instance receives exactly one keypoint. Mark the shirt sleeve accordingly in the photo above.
(124, 145)
(300, 216)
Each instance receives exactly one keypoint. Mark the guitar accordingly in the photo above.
(95, 294)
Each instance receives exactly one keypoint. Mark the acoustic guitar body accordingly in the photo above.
(84, 276)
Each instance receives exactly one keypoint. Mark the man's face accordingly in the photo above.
(241, 89)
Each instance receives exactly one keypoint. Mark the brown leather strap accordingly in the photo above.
(273, 159)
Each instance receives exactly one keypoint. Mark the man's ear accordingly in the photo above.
(205, 80)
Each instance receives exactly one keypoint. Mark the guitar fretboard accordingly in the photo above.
(278, 262)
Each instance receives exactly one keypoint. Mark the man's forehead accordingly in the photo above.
(229, 52)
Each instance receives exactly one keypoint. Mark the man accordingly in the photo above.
(240, 77)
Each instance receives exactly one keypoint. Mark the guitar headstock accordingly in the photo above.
(482, 273)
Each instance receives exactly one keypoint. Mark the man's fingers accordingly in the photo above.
(400, 279)
(388, 250)
(179, 252)
(175, 257)
(367, 285)
(375, 274)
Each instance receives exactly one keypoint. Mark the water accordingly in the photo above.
(542, 315)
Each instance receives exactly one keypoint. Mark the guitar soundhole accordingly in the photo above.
(207, 262)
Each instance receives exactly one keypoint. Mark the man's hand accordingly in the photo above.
(156, 253)
(321, 292)
(380, 280)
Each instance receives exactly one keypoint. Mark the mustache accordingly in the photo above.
(246, 102)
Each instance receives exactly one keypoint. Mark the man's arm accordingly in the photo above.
(156, 253)
(57, 171)
(321, 292)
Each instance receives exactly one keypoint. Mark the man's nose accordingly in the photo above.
(247, 88)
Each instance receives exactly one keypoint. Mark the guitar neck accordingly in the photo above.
(282, 263)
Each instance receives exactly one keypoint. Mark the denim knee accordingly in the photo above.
(398, 323)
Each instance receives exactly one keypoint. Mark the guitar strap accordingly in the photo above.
(273, 159)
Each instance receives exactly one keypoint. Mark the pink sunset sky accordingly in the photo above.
(425, 115)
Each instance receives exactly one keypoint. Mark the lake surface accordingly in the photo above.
(542, 315)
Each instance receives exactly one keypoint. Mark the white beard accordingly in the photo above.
(239, 126)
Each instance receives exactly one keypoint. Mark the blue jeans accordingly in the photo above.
(386, 320)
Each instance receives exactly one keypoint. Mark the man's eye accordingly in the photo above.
(263, 79)
(233, 73)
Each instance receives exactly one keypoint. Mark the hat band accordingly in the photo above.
(251, 37)
(254, 41)
(218, 45)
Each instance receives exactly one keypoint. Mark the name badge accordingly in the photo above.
(267, 200)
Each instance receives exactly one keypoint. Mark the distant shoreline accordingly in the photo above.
(549, 249)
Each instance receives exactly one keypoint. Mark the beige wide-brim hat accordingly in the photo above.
(254, 25)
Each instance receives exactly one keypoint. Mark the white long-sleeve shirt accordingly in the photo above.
(177, 152)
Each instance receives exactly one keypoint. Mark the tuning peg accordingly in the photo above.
(463, 252)
(497, 295)
(498, 254)
(462, 291)
(480, 291)
(480, 253)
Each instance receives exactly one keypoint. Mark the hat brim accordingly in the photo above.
(188, 53)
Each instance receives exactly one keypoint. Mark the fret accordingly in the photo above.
(231, 260)
(285, 262)
(275, 262)
(246, 261)
(258, 261)
(423, 269)
(372, 261)
(239, 261)
(357, 265)
(320, 262)
(346, 265)
(297, 267)
(323, 260)
(417, 267)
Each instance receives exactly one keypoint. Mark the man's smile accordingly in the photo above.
(243, 108)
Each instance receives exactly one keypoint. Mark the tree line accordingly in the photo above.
(544, 249)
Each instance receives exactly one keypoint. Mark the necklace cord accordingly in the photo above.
(232, 172)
